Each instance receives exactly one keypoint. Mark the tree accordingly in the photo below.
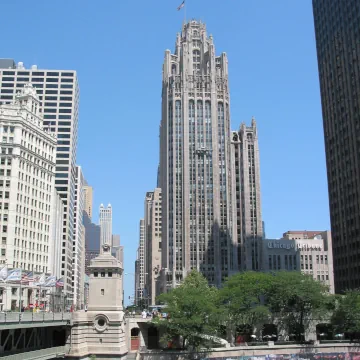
(296, 299)
(141, 304)
(192, 312)
(242, 300)
(346, 316)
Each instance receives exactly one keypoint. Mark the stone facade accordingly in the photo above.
(140, 273)
(58, 92)
(153, 225)
(57, 210)
(105, 222)
(248, 224)
(27, 179)
(312, 256)
(195, 160)
(88, 200)
(101, 330)
(79, 241)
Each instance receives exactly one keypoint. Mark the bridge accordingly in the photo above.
(141, 334)
(34, 335)
(48, 335)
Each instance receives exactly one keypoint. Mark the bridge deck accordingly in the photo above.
(22, 320)
(44, 354)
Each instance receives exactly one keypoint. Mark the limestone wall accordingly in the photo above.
(343, 351)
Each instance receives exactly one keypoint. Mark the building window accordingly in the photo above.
(96, 274)
(102, 292)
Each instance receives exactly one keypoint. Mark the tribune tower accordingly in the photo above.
(195, 172)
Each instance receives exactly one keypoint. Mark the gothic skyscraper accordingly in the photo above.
(195, 160)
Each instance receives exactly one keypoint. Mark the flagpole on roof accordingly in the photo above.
(185, 11)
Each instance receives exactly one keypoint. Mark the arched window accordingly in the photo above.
(173, 69)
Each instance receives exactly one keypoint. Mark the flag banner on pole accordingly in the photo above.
(4, 273)
(41, 280)
(36, 278)
(60, 283)
(50, 281)
(14, 275)
(27, 277)
(181, 6)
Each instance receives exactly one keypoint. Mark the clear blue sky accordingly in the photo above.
(117, 47)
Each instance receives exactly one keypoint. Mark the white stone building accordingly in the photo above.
(140, 265)
(105, 222)
(247, 223)
(58, 92)
(152, 244)
(309, 254)
(57, 210)
(26, 184)
(78, 276)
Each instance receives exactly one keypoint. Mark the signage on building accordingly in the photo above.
(291, 245)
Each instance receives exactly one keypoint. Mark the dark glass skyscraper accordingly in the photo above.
(337, 28)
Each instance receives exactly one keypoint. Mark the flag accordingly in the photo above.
(50, 281)
(14, 275)
(60, 283)
(181, 5)
(4, 273)
(27, 277)
(40, 281)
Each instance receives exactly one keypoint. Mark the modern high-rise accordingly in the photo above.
(58, 93)
(152, 253)
(92, 231)
(195, 161)
(105, 222)
(78, 276)
(57, 211)
(247, 224)
(88, 193)
(27, 179)
(140, 273)
(115, 241)
(337, 41)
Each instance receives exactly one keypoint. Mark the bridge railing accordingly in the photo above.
(17, 317)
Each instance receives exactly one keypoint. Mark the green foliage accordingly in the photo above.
(346, 316)
(142, 305)
(241, 300)
(247, 300)
(296, 299)
(192, 312)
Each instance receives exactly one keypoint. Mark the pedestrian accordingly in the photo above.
(133, 313)
(144, 314)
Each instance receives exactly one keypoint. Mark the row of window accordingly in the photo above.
(37, 73)
(47, 86)
(37, 79)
